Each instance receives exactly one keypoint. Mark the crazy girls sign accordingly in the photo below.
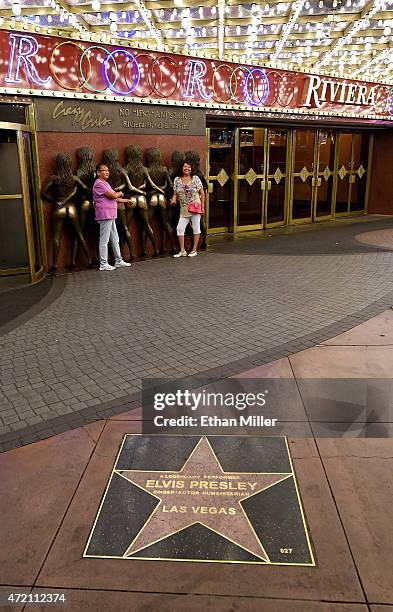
(50, 64)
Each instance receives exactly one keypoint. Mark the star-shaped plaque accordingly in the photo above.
(204, 508)
(201, 492)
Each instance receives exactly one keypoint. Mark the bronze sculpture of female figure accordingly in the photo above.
(86, 172)
(119, 181)
(138, 175)
(157, 200)
(61, 190)
(195, 160)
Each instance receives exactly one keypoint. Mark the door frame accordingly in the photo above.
(20, 128)
(316, 178)
(241, 177)
(210, 179)
(269, 177)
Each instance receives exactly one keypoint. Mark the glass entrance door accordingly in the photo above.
(220, 163)
(313, 175)
(361, 144)
(250, 180)
(262, 177)
(324, 175)
(304, 146)
(21, 239)
(261, 181)
(276, 181)
(353, 172)
(343, 172)
(13, 247)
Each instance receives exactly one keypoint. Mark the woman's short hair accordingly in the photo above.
(99, 166)
(191, 163)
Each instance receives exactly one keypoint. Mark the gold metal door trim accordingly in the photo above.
(289, 169)
(218, 230)
(270, 177)
(343, 213)
(353, 174)
(235, 181)
(369, 168)
(11, 196)
(210, 179)
(207, 173)
(14, 271)
(315, 168)
(40, 210)
(319, 177)
(303, 220)
(239, 177)
(335, 173)
(17, 127)
(20, 128)
(26, 204)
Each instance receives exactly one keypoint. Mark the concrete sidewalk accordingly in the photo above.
(50, 492)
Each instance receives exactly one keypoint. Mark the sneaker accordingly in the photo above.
(180, 254)
(105, 267)
(122, 264)
(192, 254)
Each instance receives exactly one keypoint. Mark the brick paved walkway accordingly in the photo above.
(245, 302)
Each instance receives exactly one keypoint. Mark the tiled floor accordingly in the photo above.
(247, 301)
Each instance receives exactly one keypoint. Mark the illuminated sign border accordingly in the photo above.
(267, 90)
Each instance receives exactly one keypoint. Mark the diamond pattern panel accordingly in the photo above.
(342, 173)
(304, 174)
(222, 177)
(250, 176)
(361, 171)
(278, 175)
(326, 173)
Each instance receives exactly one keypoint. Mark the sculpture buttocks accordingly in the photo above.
(61, 191)
(86, 173)
(160, 181)
(139, 176)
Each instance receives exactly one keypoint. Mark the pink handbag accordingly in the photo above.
(195, 208)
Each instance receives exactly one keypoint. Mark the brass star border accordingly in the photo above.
(160, 525)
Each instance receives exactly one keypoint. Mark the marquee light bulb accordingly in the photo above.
(96, 5)
(16, 9)
(113, 26)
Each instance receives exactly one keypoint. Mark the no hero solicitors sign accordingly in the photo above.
(45, 64)
(84, 116)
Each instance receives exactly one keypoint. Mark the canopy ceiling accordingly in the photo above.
(350, 38)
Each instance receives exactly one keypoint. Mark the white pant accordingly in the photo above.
(184, 221)
(108, 233)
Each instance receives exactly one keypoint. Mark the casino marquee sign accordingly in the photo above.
(52, 66)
